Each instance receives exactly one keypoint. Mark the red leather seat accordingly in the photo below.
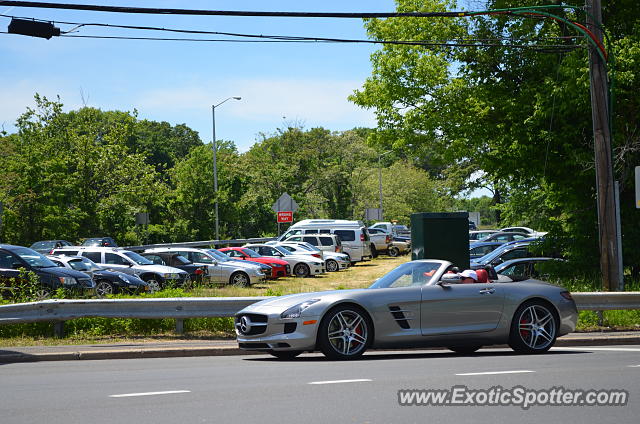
(483, 275)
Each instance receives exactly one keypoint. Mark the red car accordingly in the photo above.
(279, 267)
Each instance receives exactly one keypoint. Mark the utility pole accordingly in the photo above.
(607, 225)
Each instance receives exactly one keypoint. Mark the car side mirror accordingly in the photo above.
(448, 279)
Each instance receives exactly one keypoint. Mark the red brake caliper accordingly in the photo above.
(524, 333)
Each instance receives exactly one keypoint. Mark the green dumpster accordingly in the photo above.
(441, 236)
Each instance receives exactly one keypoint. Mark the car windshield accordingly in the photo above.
(494, 254)
(84, 264)
(414, 273)
(219, 255)
(140, 260)
(282, 250)
(34, 258)
(251, 253)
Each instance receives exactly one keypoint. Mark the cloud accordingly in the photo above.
(267, 100)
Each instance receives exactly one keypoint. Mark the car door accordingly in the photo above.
(116, 262)
(217, 272)
(460, 308)
(8, 269)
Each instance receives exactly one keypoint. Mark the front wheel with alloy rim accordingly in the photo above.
(285, 354)
(332, 266)
(345, 333)
(301, 270)
(534, 328)
(153, 285)
(239, 279)
(104, 288)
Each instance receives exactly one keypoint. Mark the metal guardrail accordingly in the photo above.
(182, 308)
(204, 243)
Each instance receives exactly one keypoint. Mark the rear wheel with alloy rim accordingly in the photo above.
(239, 279)
(534, 328)
(104, 288)
(301, 270)
(345, 333)
(394, 251)
(331, 265)
(285, 354)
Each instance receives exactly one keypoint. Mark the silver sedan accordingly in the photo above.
(418, 304)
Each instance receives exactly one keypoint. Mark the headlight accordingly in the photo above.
(171, 276)
(296, 311)
(67, 281)
(274, 265)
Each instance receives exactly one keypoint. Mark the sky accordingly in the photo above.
(279, 84)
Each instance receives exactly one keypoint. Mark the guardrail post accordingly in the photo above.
(179, 326)
(600, 318)
(58, 329)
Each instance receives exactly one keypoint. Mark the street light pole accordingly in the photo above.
(215, 161)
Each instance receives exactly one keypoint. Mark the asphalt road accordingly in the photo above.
(258, 389)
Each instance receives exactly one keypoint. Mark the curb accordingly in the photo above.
(16, 357)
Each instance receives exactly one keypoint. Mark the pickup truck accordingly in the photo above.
(380, 241)
(393, 229)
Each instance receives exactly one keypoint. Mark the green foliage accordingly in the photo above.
(518, 118)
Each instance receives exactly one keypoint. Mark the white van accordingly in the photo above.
(353, 235)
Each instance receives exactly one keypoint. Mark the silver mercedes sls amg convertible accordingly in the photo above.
(418, 304)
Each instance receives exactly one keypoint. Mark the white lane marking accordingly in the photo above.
(170, 392)
(497, 372)
(634, 366)
(608, 349)
(359, 380)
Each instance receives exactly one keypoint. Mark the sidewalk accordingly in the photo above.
(228, 347)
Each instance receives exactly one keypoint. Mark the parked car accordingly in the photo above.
(100, 241)
(106, 282)
(380, 241)
(333, 261)
(480, 234)
(343, 324)
(472, 226)
(221, 268)
(525, 268)
(46, 246)
(324, 242)
(526, 230)
(505, 237)
(479, 249)
(117, 259)
(301, 265)
(175, 260)
(51, 276)
(502, 254)
(279, 268)
(353, 235)
(399, 247)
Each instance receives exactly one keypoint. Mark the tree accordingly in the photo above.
(520, 116)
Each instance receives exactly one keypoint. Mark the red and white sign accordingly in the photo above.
(285, 216)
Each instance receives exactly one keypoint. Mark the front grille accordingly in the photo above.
(251, 324)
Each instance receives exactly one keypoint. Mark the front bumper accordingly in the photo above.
(265, 332)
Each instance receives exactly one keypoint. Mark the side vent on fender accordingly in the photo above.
(398, 315)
